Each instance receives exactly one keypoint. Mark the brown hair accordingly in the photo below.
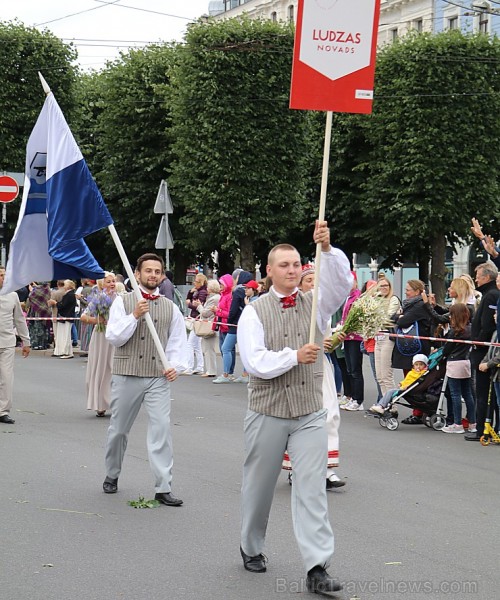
(149, 256)
(459, 317)
(416, 285)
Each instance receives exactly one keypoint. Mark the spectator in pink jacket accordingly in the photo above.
(222, 313)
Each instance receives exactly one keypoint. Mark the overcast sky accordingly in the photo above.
(104, 27)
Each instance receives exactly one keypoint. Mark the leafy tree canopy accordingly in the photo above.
(239, 150)
(23, 52)
(426, 160)
(124, 126)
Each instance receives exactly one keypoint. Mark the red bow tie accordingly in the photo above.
(147, 296)
(289, 301)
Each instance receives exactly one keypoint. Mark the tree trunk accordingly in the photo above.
(438, 273)
(181, 261)
(225, 263)
(246, 253)
(423, 265)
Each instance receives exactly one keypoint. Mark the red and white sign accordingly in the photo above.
(8, 189)
(334, 55)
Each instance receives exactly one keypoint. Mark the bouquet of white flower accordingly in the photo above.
(367, 316)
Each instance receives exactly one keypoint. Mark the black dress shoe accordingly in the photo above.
(254, 564)
(472, 437)
(167, 499)
(7, 419)
(318, 581)
(110, 486)
(337, 483)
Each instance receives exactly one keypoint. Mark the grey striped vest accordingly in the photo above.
(297, 392)
(139, 357)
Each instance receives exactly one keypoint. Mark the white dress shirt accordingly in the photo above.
(121, 327)
(334, 287)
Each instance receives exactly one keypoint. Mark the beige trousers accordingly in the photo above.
(208, 346)
(6, 379)
(383, 363)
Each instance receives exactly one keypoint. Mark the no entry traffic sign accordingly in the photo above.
(8, 189)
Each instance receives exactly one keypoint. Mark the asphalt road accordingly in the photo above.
(419, 516)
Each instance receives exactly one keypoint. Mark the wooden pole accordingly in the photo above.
(321, 217)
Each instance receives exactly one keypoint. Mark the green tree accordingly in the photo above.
(23, 52)
(427, 158)
(239, 150)
(124, 127)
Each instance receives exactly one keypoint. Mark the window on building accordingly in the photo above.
(453, 23)
(274, 17)
(394, 34)
(291, 13)
(418, 25)
(484, 23)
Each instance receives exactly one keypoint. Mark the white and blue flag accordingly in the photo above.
(61, 205)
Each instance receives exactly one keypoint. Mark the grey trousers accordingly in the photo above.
(305, 439)
(127, 395)
(6, 379)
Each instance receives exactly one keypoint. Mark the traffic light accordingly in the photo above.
(3, 231)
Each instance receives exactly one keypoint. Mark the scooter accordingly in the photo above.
(489, 434)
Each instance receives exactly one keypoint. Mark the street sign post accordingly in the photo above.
(163, 206)
(164, 239)
(9, 189)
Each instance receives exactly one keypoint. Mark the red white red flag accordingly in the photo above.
(334, 55)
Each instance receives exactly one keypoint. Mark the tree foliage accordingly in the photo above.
(426, 160)
(124, 127)
(239, 150)
(23, 52)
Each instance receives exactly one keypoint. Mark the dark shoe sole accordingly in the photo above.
(110, 486)
(319, 588)
(165, 502)
(260, 567)
(331, 485)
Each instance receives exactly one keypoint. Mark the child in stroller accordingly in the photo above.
(420, 363)
(420, 389)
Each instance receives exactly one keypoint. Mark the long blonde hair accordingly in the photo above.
(463, 290)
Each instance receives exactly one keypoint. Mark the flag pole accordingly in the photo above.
(321, 217)
(126, 264)
(137, 291)
(45, 85)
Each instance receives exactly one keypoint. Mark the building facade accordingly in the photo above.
(471, 16)
(397, 17)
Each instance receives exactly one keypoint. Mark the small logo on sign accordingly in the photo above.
(364, 95)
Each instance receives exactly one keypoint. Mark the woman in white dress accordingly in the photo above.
(100, 361)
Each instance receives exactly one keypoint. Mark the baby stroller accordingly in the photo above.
(426, 394)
